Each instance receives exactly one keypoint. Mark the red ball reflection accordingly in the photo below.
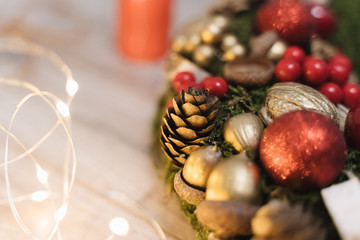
(303, 150)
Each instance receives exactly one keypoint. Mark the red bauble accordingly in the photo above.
(351, 94)
(182, 81)
(288, 70)
(332, 91)
(216, 85)
(303, 150)
(315, 71)
(324, 19)
(291, 19)
(352, 126)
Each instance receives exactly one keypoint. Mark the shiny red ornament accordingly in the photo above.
(324, 19)
(291, 19)
(352, 126)
(303, 150)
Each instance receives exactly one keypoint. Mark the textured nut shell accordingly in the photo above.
(226, 218)
(249, 72)
(186, 192)
(287, 97)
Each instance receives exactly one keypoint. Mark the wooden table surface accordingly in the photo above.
(111, 118)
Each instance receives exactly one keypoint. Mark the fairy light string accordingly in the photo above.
(118, 226)
(61, 110)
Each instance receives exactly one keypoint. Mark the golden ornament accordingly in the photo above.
(282, 98)
(244, 132)
(187, 125)
(192, 42)
(199, 164)
(277, 50)
(226, 218)
(228, 41)
(249, 72)
(235, 178)
(221, 21)
(211, 34)
(234, 52)
(203, 54)
(178, 45)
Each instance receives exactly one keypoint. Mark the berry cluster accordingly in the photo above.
(330, 77)
(215, 85)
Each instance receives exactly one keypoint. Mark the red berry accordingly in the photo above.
(352, 126)
(294, 52)
(339, 73)
(315, 71)
(341, 59)
(332, 91)
(216, 86)
(324, 20)
(351, 94)
(308, 58)
(181, 79)
(287, 70)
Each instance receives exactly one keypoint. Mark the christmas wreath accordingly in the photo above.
(259, 127)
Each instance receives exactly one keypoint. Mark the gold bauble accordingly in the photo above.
(228, 41)
(244, 131)
(221, 21)
(211, 34)
(203, 54)
(282, 98)
(178, 45)
(236, 178)
(192, 42)
(199, 164)
(236, 51)
(277, 50)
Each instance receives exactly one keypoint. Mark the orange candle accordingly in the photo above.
(142, 28)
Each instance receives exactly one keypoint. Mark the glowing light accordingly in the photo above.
(39, 196)
(72, 87)
(119, 226)
(63, 109)
(61, 213)
(42, 175)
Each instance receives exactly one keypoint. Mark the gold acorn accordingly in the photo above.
(187, 125)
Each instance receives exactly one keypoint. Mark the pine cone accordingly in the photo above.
(187, 125)
(281, 221)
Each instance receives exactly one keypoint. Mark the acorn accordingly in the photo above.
(190, 182)
(232, 197)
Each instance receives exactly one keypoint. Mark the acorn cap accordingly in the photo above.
(249, 72)
(186, 192)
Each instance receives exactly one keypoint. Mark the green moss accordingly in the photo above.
(347, 34)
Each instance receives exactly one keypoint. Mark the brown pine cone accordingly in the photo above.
(188, 124)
